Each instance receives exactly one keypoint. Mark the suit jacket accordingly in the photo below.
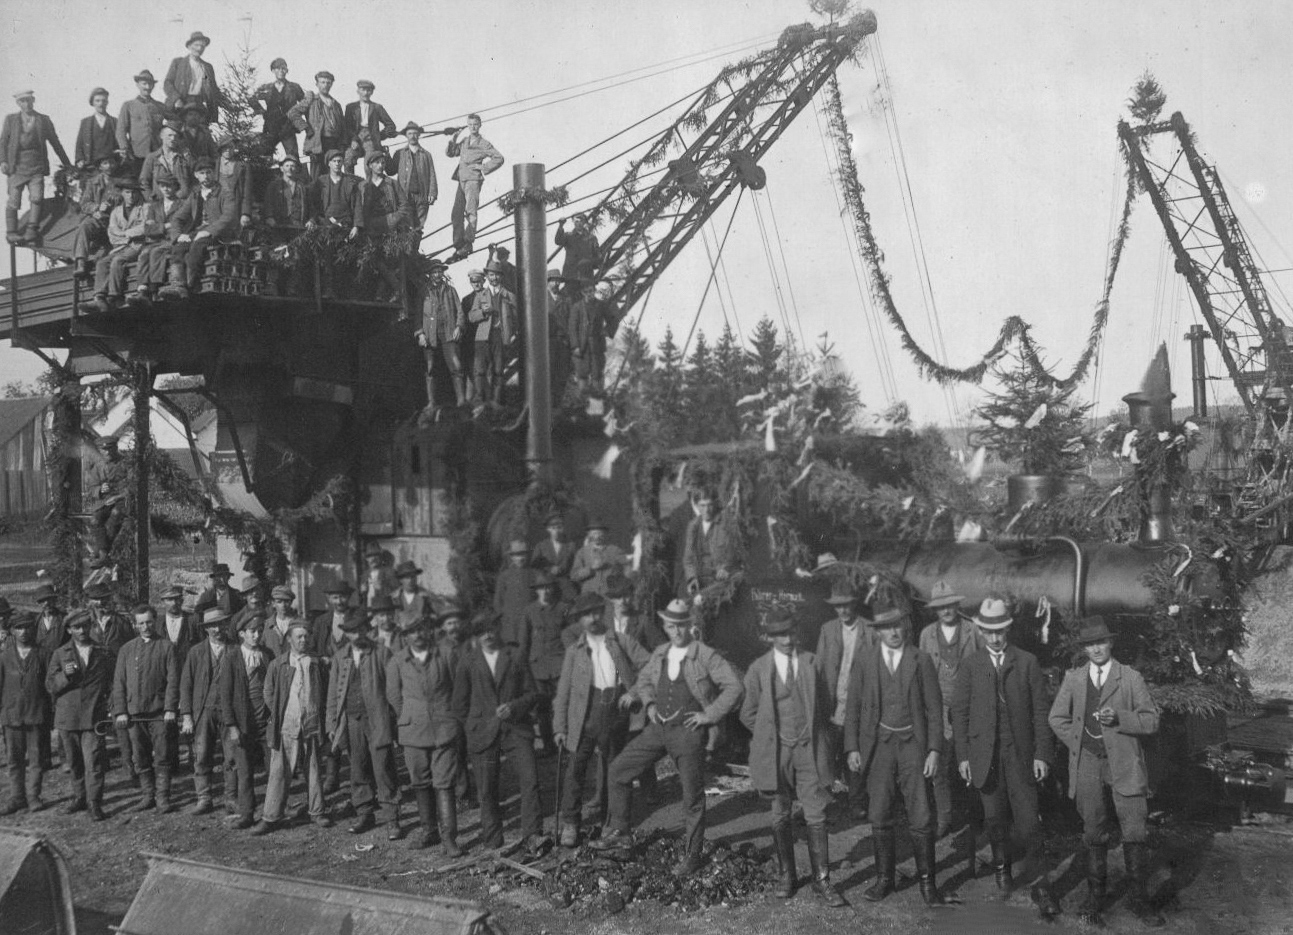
(415, 171)
(422, 696)
(217, 213)
(94, 142)
(584, 572)
(570, 706)
(236, 706)
(384, 208)
(46, 135)
(24, 699)
(230, 602)
(139, 126)
(476, 157)
(321, 642)
(160, 215)
(179, 83)
(1125, 691)
(154, 170)
(338, 201)
(81, 699)
(276, 105)
(759, 715)
(830, 649)
(97, 189)
(279, 676)
(236, 174)
(636, 628)
(275, 642)
(974, 711)
(477, 694)
(442, 315)
(419, 606)
(372, 672)
(50, 638)
(191, 633)
(309, 115)
(580, 248)
(709, 677)
(380, 126)
(512, 595)
(147, 678)
(968, 642)
(288, 209)
(113, 631)
(718, 547)
(916, 679)
(200, 680)
(544, 627)
(544, 555)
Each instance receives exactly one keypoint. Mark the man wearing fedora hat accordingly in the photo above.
(381, 613)
(367, 124)
(195, 139)
(96, 138)
(50, 631)
(591, 709)
(784, 709)
(558, 336)
(191, 79)
(182, 630)
(379, 577)
(281, 615)
(893, 732)
(512, 595)
(319, 116)
(126, 237)
(412, 601)
(442, 329)
(1101, 712)
(79, 680)
(139, 123)
(145, 700)
(686, 689)
(477, 158)
(414, 169)
(201, 717)
(1004, 745)
(275, 101)
(623, 618)
(358, 709)
(841, 641)
(597, 560)
(328, 634)
(218, 593)
(492, 319)
(948, 641)
(245, 714)
(25, 159)
(545, 624)
(591, 322)
(25, 710)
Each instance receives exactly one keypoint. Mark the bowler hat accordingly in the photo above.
(407, 570)
(331, 155)
(842, 594)
(96, 92)
(381, 602)
(887, 617)
(365, 83)
(198, 37)
(353, 621)
(542, 579)
(590, 602)
(278, 63)
(45, 592)
(518, 547)
(98, 592)
(249, 583)
(324, 74)
(676, 612)
(341, 587)
(145, 75)
(777, 621)
(412, 126)
(172, 592)
(941, 595)
(1094, 630)
(214, 617)
(618, 585)
(993, 614)
(282, 592)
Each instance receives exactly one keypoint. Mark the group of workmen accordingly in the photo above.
(564, 663)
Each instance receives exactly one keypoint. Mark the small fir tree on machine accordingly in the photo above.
(1033, 423)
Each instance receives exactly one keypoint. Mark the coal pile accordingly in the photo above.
(610, 880)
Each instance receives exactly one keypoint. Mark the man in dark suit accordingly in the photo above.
(191, 79)
(154, 256)
(145, 698)
(1004, 745)
(512, 593)
(112, 631)
(79, 680)
(180, 628)
(200, 714)
(556, 555)
(493, 694)
(414, 169)
(327, 635)
(24, 158)
(545, 621)
(841, 642)
(622, 617)
(50, 630)
(893, 732)
(219, 593)
(275, 100)
(97, 137)
(366, 124)
(245, 715)
(24, 713)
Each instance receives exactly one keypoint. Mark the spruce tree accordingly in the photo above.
(765, 361)
(1051, 441)
(700, 401)
(731, 384)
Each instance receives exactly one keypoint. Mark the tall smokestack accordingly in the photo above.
(532, 253)
(1149, 409)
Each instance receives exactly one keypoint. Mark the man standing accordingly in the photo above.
(590, 325)
(591, 709)
(191, 79)
(139, 125)
(477, 158)
(512, 597)
(785, 698)
(367, 124)
(25, 159)
(556, 554)
(327, 633)
(167, 162)
(24, 713)
(378, 577)
(279, 619)
(412, 601)
(253, 593)
(710, 549)
(580, 244)
(96, 138)
(558, 337)
(545, 621)
(126, 229)
(1101, 712)
(180, 629)
(359, 712)
(414, 169)
(244, 711)
(442, 325)
(622, 617)
(893, 733)
(145, 698)
(200, 714)
(219, 593)
(686, 688)
(107, 627)
(841, 642)
(51, 632)
(419, 686)
(493, 694)
(275, 101)
(320, 117)
(1004, 745)
(79, 680)
(493, 312)
(294, 696)
(596, 560)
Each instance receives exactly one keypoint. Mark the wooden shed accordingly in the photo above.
(24, 435)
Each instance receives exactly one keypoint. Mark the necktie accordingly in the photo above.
(888, 660)
(1099, 677)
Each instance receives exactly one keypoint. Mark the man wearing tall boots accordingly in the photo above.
(24, 158)
(24, 712)
(414, 169)
(79, 680)
(1101, 713)
(146, 698)
(326, 637)
(441, 334)
(893, 732)
(686, 688)
(477, 158)
(841, 641)
(246, 716)
(785, 706)
(357, 708)
(201, 717)
(1004, 746)
(419, 686)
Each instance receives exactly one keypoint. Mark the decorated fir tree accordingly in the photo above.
(1032, 422)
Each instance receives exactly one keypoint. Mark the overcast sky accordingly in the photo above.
(1006, 113)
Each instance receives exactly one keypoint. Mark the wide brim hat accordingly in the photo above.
(494, 266)
(214, 617)
(449, 609)
(282, 592)
(381, 602)
(341, 587)
(826, 560)
(518, 547)
(354, 621)
(198, 37)
(554, 274)
(411, 126)
(542, 579)
(619, 586)
(407, 569)
(843, 595)
(145, 75)
(250, 583)
(98, 592)
(887, 617)
(778, 621)
(676, 612)
(993, 614)
(587, 603)
(596, 523)
(1094, 630)
(45, 592)
(941, 595)
(172, 592)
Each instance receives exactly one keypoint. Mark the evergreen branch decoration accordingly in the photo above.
(554, 197)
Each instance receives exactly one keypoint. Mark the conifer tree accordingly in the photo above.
(765, 360)
(1032, 422)
(701, 402)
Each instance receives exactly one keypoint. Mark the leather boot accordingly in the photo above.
(202, 786)
(176, 283)
(460, 388)
(819, 857)
(395, 832)
(147, 791)
(1001, 869)
(447, 806)
(924, 847)
(164, 789)
(430, 393)
(783, 840)
(1097, 881)
(885, 846)
(12, 233)
(1136, 858)
(426, 819)
(32, 234)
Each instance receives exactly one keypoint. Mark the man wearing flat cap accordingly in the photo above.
(97, 136)
(786, 700)
(442, 331)
(1004, 746)
(79, 679)
(335, 199)
(282, 613)
(254, 593)
(139, 124)
(367, 124)
(414, 169)
(191, 79)
(477, 158)
(328, 634)
(412, 601)
(50, 631)
(200, 715)
(24, 713)
(182, 630)
(893, 731)
(126, 237)
(319, 116)
(287, 200)
(245, 714)
(841, 641)
(275, 101)
(208, 217)
(25, 160)
(1102, 713)
(711, 547)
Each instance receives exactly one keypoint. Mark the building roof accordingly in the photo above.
(16, 413)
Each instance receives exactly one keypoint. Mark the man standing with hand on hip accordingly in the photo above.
(477, 158)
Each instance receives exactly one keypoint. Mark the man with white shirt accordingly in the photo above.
(24, 713)
(893, 732)
(414, 169)
(367, 124)
(280, 617)
(181, 629)
(275, 100)
(245, 715)
(79, 680)
(1101, 712)
(191, 79)
(786, 700)
(840, 642)
(591, 710)
(1004, 746)
(710, 551)
(686, 689)
(200, 715)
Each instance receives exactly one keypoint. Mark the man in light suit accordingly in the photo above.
(840, 643)
(191, 79)
(1101, 712)
(139, 124)
(477, 158)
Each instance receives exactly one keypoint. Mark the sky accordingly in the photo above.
(1005, 111)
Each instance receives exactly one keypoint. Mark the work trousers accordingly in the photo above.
(489, 367)
(686, 748)
(208, 737)
(319, 168)
(897, 768)
(1093, 778)
(519, 749)
(798, 778)
(372, 771)
(91, 236)
(85, 752)
(466, 204)
(34, 185)
(543, 711)
(293, 753)
(432, 767)
(150, 742)
(248, 752)
(110, 271)
(421, 208)
(606, 728)
(26, 772)
(838, 761)
(286, 137)
(193, 254)
(150, 268)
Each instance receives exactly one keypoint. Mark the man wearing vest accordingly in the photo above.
(414, 169)
(840, 643)
(245, 713)
(200, 714)
(1101, 712)
(1004, 745)
(145, 699)
(685, 688)
(784, 708)
(893, 732)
